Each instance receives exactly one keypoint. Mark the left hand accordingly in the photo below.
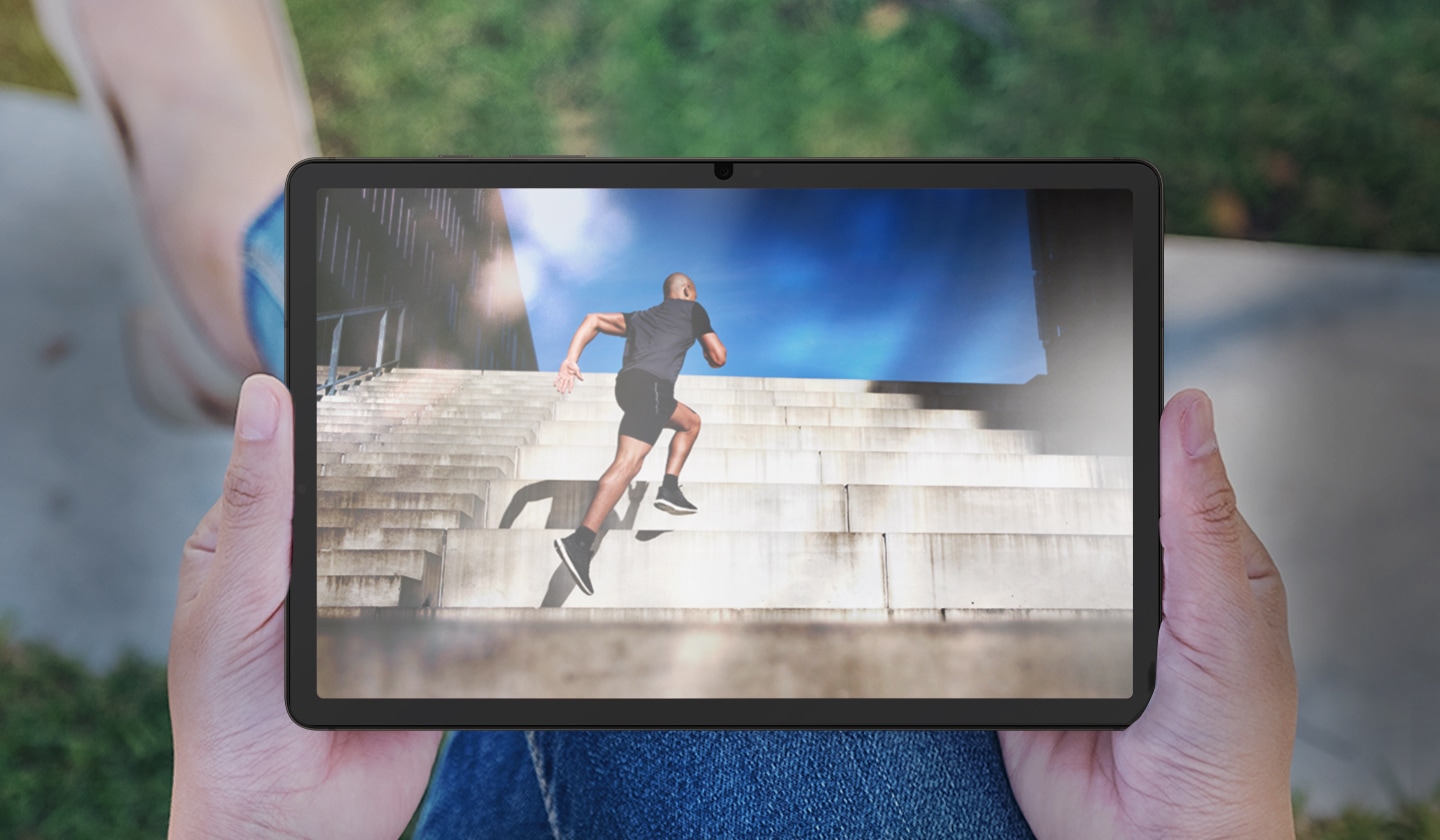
(565, 379)
(242, 767)
(1210, 757)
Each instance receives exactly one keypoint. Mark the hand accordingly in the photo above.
(1210, 757)
(565, 379)
(242, 768)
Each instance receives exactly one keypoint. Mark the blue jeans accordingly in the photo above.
(721, 784)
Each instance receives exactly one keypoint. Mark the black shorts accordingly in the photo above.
(648, 402)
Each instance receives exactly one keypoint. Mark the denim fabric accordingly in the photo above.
(484, 786)
(742, 784)
(264, 251)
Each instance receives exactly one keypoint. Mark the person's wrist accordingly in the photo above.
(193, 820)
(196, 814)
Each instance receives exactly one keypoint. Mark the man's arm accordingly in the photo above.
(610, 323)
(714, 349)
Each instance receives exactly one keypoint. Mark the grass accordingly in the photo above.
(87, 755)
(81, 755)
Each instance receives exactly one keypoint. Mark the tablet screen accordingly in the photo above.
(741, 443)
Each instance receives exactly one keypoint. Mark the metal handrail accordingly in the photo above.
(381, 363)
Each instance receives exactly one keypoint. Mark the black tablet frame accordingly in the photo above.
(309, 709)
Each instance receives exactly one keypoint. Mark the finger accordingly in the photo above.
(251, 570)
(198, 554)
(1207, 545)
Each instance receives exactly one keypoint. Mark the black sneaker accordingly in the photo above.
(576, 556)
(673, 501)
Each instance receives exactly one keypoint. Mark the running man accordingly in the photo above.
(656, 341)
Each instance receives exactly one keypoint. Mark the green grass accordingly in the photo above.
(87, 755)
(81, 755)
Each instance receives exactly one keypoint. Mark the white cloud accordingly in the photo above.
(565, 236)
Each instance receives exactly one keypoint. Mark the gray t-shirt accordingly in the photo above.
(657, 339)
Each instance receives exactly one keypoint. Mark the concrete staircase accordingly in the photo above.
(822, 503)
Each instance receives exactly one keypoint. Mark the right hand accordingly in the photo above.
(565, 379)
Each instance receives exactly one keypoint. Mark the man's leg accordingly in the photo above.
(686, 424)
(629, 457)
(575, 550)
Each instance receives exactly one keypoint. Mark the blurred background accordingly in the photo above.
(1300, 145)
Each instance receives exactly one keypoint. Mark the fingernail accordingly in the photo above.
(259, 413)
(1197, 428)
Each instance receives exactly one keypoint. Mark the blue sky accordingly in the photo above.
(921, 285)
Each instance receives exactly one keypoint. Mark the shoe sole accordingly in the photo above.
(670, 507)
(565, 558)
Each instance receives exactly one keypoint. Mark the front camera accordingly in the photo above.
(723, 171)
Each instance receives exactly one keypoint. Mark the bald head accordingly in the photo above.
(679, 286)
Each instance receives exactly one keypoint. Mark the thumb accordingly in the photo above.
(1203, 535)
(251, 571)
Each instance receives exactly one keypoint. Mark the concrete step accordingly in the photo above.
(706, 569)
(423, 451)
(799, 507)
(713, 435)
(1009, 571)
(385, 518)
(467, 503)
(369, 591)
(723, 507)
(707, 465)
(454, 653)
(774, 415)
(813, 570)
(407, 471)
(854, 438)
(518, 504)
(699, 398)
(718, 381)
(389, 484)
(389, 457)
(990, 510)
(408, 563)
(481, 434)
(973, 470)
(423, 566)
(347, 437)
(784, 466)
(337, 408)
(352, 414)
(412, 539)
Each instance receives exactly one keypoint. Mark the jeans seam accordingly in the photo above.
(545, 795)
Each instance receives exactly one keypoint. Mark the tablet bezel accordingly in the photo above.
(309, 709)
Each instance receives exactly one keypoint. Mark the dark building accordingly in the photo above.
(443, 257)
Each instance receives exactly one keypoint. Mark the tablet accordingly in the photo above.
(741, 443)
